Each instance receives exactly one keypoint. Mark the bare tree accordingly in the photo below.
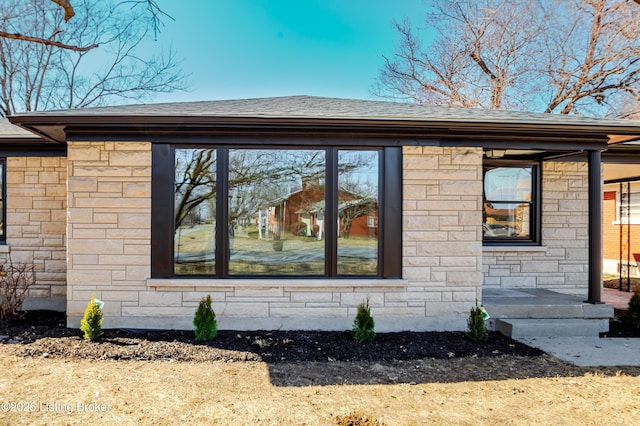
(257, 179)
(597, 61)
(37, 75)
(69, 12)
(559, 56)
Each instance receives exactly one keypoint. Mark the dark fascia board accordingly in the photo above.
(512, 135)
(27, 150)
(30, 146)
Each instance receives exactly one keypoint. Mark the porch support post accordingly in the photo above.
(595, 228)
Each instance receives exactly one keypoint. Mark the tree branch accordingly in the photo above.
(46, 42)
(68, 9)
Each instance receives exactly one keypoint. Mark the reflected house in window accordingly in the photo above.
(302, 213)
(291, 211)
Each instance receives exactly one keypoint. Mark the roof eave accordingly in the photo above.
(54, 127)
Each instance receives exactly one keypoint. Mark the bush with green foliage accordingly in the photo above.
(476, 327)
(91, 323)
(205, 321)
(363, 325)
(633, 314)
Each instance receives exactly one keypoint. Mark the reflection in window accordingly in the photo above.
(273, 212)
(195, 211)
(276, 212)
(358, 212)
(508, 195)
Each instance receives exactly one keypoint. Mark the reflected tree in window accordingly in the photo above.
(508, 202)
(276, 215)
(195, 211)
(358, 212)
(274, 198)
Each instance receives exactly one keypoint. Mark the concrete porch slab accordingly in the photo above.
(544, 313)
(528, 327)
(540, 303)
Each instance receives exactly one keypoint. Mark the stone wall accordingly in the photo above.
(561, 262)
(442, 240)
(109, 253)
(108, 230)
(35, 226)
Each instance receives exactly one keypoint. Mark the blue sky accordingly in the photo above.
(257, 48)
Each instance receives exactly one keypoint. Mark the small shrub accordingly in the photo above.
(15, 280)
(476, 328)
(363, 325)
(633, 314)
(298, 229)
(205, 321)
(91, 323)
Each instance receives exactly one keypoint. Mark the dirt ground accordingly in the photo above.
(632, 283)
(82, 391)
(50, 375)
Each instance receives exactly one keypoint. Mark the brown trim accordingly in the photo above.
(162, 202)
(156, 121)
(61, 127)
(535, 217)
(595, 228)
(36, 151)
(392, 213)
(161, 211)
(3, 199)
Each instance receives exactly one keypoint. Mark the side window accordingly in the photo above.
(628, 205)
(510, 204)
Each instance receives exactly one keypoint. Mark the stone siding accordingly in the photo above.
(561, 262)
(108, 226)
(35, 226)
(109, 253)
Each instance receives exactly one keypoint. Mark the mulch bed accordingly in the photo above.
(44, 334)
(303, 358)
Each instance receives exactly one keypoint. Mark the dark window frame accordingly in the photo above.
(535, 215)
(162, 206)
(3, 200)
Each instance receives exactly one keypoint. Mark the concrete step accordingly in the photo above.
(550, 327)
(540, 310)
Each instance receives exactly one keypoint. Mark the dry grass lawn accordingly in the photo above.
(140, 392)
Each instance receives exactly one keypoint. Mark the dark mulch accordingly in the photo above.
(618, 327)
(302, 358)
(44, 334)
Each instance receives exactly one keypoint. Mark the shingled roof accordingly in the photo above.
(321, 113)
(11, 131)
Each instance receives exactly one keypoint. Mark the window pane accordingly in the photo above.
(508, 184)
(358, 197)
(629, 206)
(506, 220)
(507, 203)
(276, 212)
(195, 211)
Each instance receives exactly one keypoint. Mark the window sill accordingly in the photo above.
(190, 283)
(515, 248)
(5, 248)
